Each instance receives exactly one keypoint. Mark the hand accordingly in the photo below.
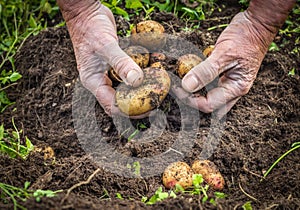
(235, 61)
(92, 29)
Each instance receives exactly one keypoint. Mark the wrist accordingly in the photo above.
(271, 14)
(71, 9)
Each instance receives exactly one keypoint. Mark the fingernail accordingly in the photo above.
(190, 83)
(134, 78)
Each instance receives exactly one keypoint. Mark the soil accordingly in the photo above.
(260, 127)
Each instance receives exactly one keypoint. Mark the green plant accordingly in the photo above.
(199, 10)
(159, 195)
(18, 20)
(247, 206)
(10, 143)
(15, 194)
(197, 189)
(294, 146)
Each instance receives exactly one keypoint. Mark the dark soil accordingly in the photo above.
(260, 127)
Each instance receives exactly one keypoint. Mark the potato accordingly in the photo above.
(146, 97)
(138, 54)
(149, 34)
(186, 62)
(207, 51)
(210, 173)
(178, 173)
(157, 57)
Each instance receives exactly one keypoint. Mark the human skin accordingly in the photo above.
(237, 57)
(92, 29)
(235, 60)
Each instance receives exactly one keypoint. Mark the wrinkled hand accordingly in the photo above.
(92, 29)
(235, 62)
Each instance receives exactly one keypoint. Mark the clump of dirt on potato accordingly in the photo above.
(146, 97)
(149, 34)
(178, 173)
(186, 62)
(210, 173)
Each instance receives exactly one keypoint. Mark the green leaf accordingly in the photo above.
(172, 194)
(26, 185)
(118, 195)
(293, 145)
(292, 72)
(1, 132)
(133, 4)
(247, 206)
(29, 145)
(197, 180)
(220, 195)
(47, 8)
(32, 22)
(15, 76)
(144, 199)
(273, 47)
(122, 12)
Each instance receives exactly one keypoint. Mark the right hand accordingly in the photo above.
(92, 29)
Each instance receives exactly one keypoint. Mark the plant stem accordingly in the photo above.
(279, 159)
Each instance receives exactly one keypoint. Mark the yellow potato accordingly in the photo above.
(186, 62)
(138, 54)
(210, 173)
(207, 51)
(178, 173)
(149, 34)
(146, 97)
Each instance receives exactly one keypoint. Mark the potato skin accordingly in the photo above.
(186, 62)
(146, 97)
(149, 34)
(207, 51)
(178, 173)
(210, 173)
(140, 55)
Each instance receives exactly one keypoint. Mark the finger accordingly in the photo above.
(208, 70)
(226, 91)
(223, 110)
(126, 68)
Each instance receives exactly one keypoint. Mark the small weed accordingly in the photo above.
(247, 206)
(10, 143)
(159, 195)
(273, 47)
(197, 189)
(118, 195)
(11, 193)
(294, 146)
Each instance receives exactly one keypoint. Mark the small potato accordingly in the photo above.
(146, 97)
(178, 173)
(207, 51)
(138, 54)
(157, 65)
(210, 173)
(149, 34)
(186, 62)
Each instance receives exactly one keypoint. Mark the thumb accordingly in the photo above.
(126, 68)
(200, 75)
